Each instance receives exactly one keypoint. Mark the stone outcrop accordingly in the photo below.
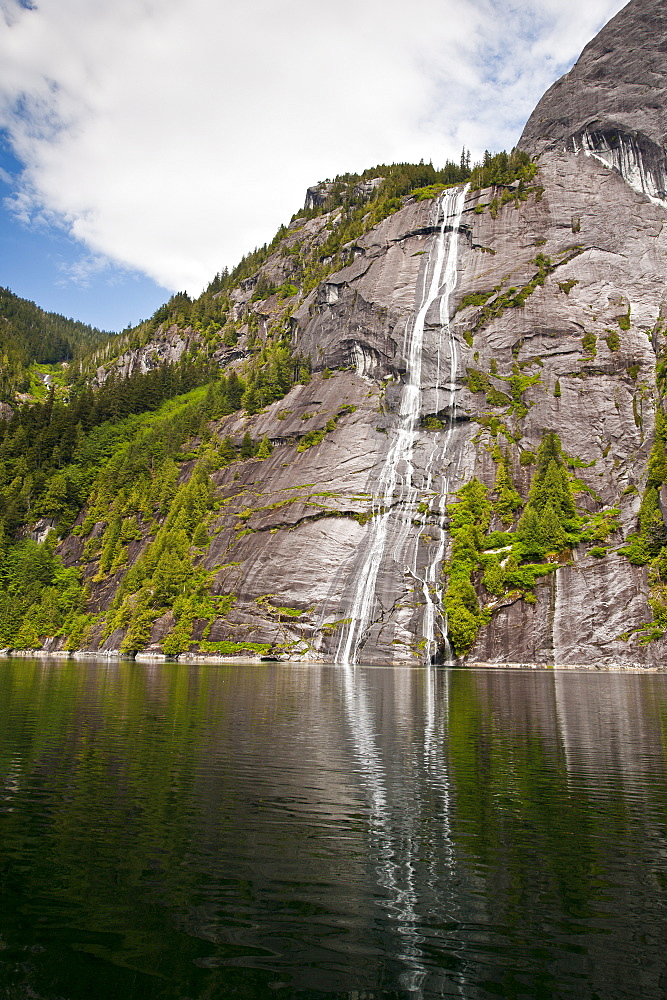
(166, 347)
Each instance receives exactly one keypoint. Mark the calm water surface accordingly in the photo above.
(203, 832)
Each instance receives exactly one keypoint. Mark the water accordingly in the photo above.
(641, 165)
(396, 495)
(197, 833)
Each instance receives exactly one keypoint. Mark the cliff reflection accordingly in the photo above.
(419, 832)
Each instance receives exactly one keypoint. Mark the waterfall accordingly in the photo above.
(641, 163)
(396, 493)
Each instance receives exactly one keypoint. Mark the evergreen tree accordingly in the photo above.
(494, 578)
(265, 448)
(507, 499)
(110, 545)
(553, 536)
(529, 533)
(247, 446)
(235, 389)
(200, 537)
(651, 522)
(227, 452)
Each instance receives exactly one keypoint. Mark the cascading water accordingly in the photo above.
(396, 495)
(641, 163)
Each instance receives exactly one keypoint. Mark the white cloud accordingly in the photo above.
(86, 267)
(174, 137)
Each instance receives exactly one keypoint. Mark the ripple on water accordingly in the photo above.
(203, 832)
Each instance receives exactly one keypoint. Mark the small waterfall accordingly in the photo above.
(640, 162)
(396, 494)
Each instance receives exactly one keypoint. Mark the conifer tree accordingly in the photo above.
(530, 533)
(507, 499)
(200, 537)
(651, 523)
(110, 545)
(494, 578)
(227, 451)
(265, 448)
(247, 446)
(554, 538)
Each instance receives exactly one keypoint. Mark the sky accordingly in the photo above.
(147, 144)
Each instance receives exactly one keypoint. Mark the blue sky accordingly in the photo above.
(41, 262)
(146, 145)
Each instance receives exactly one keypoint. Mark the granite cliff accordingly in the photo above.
(613, 102)
(475, 470)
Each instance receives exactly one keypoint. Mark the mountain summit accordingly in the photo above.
(618, 84)
(613, 102)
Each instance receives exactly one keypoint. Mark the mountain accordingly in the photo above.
(424, 424)
(29, 335)
(613, 102)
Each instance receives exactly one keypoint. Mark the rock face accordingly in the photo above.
(166, 348)
(464, 329)
(613, 102)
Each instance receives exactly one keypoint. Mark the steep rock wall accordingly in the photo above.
(613, 103)
(618, 81)
(296, 526)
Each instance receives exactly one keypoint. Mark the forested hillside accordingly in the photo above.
(30, 335)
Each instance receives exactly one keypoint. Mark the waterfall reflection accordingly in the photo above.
(397, 843)
(416, 832)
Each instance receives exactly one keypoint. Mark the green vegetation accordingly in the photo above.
(507, 500)
(271, 374)
(426, 193)
(126, 467)
(474, 299)
(28, 334)
(49, 451)
(469, 519)
(509, 175)
(311, 438)
(648, 545)
(125, 472)
(497, 300)
(398, 180)
(589, 344)
(508, 564)
(143, 480)
(612, 340)
(39, 597)
(226, 648)
(502, 168)
(624, 321)
(517, 383)
(356, 206)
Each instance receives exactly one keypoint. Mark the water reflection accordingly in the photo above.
(180, 831)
